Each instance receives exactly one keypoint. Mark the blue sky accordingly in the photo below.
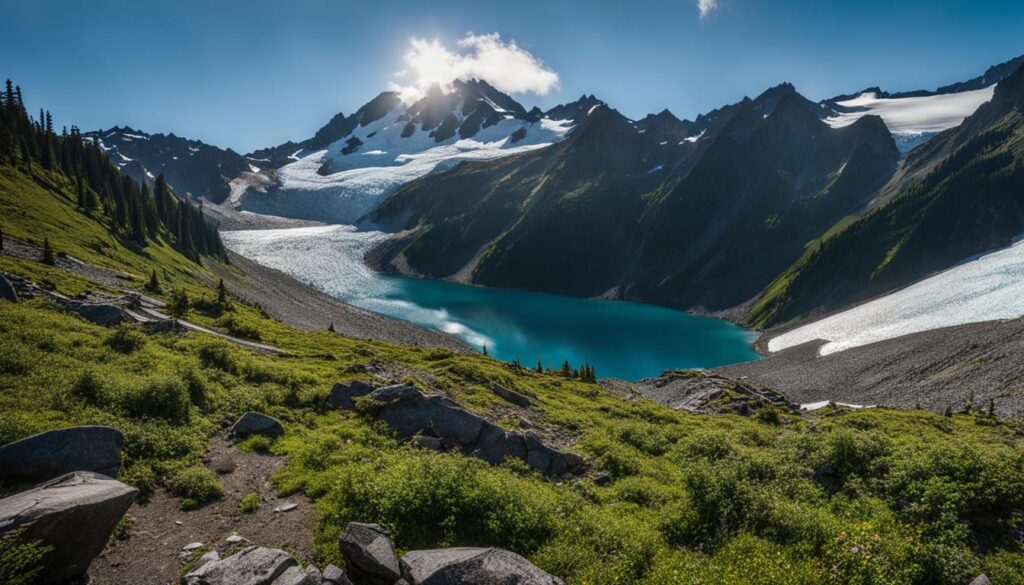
(252, 74)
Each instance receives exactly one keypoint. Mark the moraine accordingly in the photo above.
(621, 339)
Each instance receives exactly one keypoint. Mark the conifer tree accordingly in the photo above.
(330, 327)
(48, 258)
(153, 285)
(222, 294)
(540, 367)
(485, 348)
(566, 369)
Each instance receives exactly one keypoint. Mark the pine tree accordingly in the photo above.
(485, 349)
(540, 367)
(179, 305)
(331, 327)
(991, 403)
(48, 258)
(566, 369)
(153, 285)
(222, 294)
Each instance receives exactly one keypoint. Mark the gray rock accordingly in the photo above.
(411, 413)
(253, 565)
(512, 396)
(496, 444)
(315, 576)
(209, 557)
(7, 290)
(52, 453)
(472, 566)
(369, 553)
(255, 423)
(98, 313)
(603, 479)
(75, 514)
(342, 395)
(335, 576)
(981, 580)
(432, 443)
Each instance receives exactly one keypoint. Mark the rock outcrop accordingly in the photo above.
(256, 423)
(440, 423)
(7, 290)
(370, 555)
(343, 395)
(253, 565)
(74, 514)
(472, 566)
(52, 453)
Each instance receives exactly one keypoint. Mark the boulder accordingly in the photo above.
(512, 396)
(409, 412)
(253, 565)
(496, 444)
(413, 414)
(981, 580)
(335, 576)
(472, 566)
(7, 290)
(98, 313)
(343, 395)
(603, 479)
(370, 556)
(74, 514)
(52, 453)
(255, 423)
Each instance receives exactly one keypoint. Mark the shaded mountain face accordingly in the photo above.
(191, 168)
(690, 214)
(959, 195)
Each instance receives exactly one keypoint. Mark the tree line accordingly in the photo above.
(137, 213)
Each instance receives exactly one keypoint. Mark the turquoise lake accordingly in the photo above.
(620, 339)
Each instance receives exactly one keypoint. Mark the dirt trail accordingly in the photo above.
(152, 555)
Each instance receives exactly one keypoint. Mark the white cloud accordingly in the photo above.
(706, 7)
(505, 65)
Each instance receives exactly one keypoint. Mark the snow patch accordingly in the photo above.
(984, 288)
(914, 115)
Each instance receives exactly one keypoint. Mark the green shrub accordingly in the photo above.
(195, 486)
(239, 328)
(123, 529)
(165, 399)
(20, 561)
(125, 339)
(218, 355)
(87, 388)
(250, 503)
(255, 444)
(141, 477)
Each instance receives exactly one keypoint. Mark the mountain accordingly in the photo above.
(354, 161)
(702, 220)
(192, 168)
(915, 116)
(959, 195)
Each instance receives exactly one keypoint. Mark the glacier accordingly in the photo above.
(357, 182)
(913, 115)
(982, 288)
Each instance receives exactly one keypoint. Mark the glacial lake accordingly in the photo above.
(620, 339)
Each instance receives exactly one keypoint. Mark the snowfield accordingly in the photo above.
(385, 160)
(914, 115)
(985, 288)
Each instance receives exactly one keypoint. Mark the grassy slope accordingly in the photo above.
(901, 497)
